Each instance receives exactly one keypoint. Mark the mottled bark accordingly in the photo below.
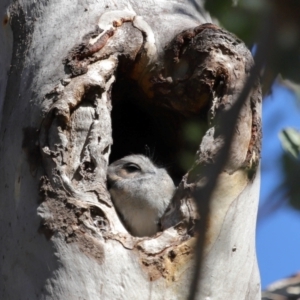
(71, 65)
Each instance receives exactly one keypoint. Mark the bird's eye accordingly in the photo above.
(131, 167)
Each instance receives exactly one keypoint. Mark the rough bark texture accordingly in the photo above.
(73, 62)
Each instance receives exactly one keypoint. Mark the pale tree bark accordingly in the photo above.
(65, 65)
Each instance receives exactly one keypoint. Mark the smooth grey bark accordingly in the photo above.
(82, 251)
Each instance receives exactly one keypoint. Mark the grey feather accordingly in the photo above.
(140, 192)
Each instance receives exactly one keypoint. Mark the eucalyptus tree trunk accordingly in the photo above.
(80, 76)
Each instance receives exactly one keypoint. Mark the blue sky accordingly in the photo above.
(278, 232)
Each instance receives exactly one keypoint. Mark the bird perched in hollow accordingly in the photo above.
(140, 192)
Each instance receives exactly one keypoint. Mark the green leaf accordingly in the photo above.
(293, 86)
(291, 168)
(290, 141)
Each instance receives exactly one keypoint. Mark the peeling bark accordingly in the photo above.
(183, 69)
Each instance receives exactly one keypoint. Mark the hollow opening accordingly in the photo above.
(140, 126)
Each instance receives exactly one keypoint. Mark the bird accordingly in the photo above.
(141, 192)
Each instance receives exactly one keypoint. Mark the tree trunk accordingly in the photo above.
(158, 65)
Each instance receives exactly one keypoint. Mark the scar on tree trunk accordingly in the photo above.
(131, 96)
